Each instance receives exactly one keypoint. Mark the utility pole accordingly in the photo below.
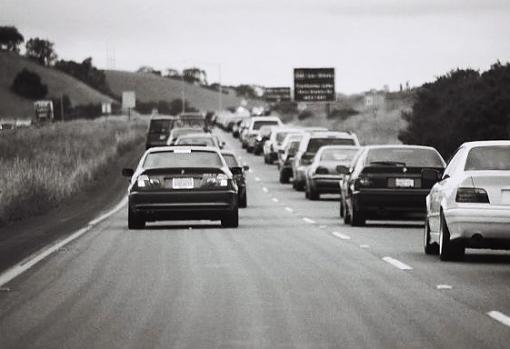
(182, 92)
(220, 97)
(62, 107)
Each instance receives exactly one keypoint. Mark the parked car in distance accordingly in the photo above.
(181, 183)
(255, 123)
(239, 173)
(470, 206)
(200, 139)
(276, 138)
(309, 146)
(289, 148)
(159, 130)
(181, 131)
(322, 176)
(390, 182)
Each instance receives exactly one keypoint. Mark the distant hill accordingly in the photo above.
(150, 87)
(14, 106)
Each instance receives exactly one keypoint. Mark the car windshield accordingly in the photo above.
(489, 158)
(280, 136)
(339, 155)
(230, 160)
(182, 131)
(258, 124)
(265, 131)
(184, 158)
(316, 143)
(160, 126)
(411, 157)
(196, 140)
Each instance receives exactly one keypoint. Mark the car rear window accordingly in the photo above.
(411, 157)
(182, 131)
(316, 143)
(340, 155)
(489, 158)
(160, 126)
(230, 160)
(196, 141)
(258, 124)
(280, 136)
(184, 158)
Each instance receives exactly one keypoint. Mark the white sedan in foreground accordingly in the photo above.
(470, 205)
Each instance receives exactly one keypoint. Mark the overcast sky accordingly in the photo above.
(369, 42)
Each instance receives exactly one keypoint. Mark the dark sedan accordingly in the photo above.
(239, 173)
(182, 183)
(389, 182)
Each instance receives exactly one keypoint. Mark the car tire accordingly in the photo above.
(135, 221)
(428, 247)
(231, 220)
(448, 250)
(243, 145)
(357, 219)
(284, 177)
(266, 159)
(342, 214)
(297, 186)
(256, 151)
(249, 149)
(313, 194)
(347, 214)
(243, 201)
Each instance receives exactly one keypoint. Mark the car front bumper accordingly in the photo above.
(183, 205)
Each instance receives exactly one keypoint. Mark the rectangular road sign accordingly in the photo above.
(128, 100)
(314, 85)
(277, 94)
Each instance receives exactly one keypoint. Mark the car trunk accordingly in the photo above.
(495, 183)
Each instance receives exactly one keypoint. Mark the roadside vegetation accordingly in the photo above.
(42, 167)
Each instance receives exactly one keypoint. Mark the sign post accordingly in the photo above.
(314, 85)
(128, 101)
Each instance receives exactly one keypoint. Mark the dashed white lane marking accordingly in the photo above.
(364, 246)
(264, 189)
(498, 316)
(308, 220)
(275, 200)
(396, 263)
(28, 263)
(289, 209)
(257, 179)
(444, 287)
(341, 236)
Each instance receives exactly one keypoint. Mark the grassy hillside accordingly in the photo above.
(149, 87)
(13, 106)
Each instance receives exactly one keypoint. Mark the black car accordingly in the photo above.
(389, 182)
(159, 131)
(239, 173)
(182, 183)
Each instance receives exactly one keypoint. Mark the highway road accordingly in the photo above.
(291, 276)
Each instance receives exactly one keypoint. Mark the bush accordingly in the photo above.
(28, 84)
(286, 107)
(461, 106)
(41, 167)
(342, 114)
(87, 73)
(306, 114)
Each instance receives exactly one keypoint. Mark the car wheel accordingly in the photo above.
(266, 159)
(347, 213)
(448, 250)
(428, 247)
(357, 219)
(243, 145)
(249, 149)
(231, 220)
(341, 208)
(135, 221)
(297, 186)
(313, 194)
(284, 178)
(243, 201)
(256, 151)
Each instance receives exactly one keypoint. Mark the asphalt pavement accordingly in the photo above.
(291, 276)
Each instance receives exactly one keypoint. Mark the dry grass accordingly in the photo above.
(41, 167)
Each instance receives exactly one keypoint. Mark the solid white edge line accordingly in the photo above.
(341, 236)
(499, 316)
(396, 263)
(444, 287)
(308, 220)
(29, 262)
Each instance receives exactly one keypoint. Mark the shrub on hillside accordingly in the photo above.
(342, 114)
(87, 73)
(286, 107)
(306, 114)
(461, 106)
(28, 84)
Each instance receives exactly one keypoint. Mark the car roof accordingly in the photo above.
(263, 118)
(181, 148)
(471, 145)
(327, 147)
(201, 134)
(387, 146)
(319, 134)
(163, 117)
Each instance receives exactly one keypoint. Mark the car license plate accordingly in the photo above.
(182, 183)
(404, 182)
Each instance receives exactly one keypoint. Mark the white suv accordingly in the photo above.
(254, 126)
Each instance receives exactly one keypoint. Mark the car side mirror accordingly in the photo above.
(344, 170)
(246, 167)
(236, 170)
(222, 144)
(431, 175)
(128, 172)
(281, 151)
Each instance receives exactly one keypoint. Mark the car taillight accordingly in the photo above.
(214, 180)
(321, 170)
(305, 161)
(144, 181)
(475, 195)
(363, 182)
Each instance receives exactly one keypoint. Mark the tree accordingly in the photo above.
(28, 84)
(10, 39)
(41, 50)
(86, 72)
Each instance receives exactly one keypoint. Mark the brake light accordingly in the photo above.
(363, 182)
(474, 195)
(321, 170)
(214, 180)
(144, 181)
(305, 161)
